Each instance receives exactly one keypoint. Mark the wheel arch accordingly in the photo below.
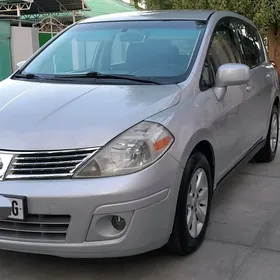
(206, 148)
(276, 102)
(204, 141)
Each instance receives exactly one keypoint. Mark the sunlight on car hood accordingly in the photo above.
(44, 116)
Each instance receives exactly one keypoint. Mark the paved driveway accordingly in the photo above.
(243, 242)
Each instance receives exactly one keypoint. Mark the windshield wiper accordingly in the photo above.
(29, 76)
(97, 75)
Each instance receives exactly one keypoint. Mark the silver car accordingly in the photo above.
(115, 135)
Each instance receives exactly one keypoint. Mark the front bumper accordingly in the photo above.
(146, 200)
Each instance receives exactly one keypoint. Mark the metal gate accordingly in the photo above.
(5, 50)
(48, 27)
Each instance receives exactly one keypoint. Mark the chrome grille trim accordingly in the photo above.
(73, 162)
(47, 164)
(43, 228)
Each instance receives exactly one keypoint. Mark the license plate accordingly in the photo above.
(19, 207)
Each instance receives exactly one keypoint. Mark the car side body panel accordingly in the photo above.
(224, 125)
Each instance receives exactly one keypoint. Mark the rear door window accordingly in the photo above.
(254, 53)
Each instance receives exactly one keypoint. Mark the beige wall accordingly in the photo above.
(24, 42)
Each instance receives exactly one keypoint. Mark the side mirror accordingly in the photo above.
(231, 74)
(19, 64)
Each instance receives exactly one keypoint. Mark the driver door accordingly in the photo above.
(224, 48)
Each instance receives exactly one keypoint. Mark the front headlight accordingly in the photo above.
(132, 151)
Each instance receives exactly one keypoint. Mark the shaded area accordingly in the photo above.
(44, 6)
(50, 6)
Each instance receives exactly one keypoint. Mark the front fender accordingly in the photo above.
(187, 135)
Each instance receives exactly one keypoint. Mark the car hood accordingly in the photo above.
(44, 116)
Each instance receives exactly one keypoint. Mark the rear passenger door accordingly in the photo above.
(255, 109)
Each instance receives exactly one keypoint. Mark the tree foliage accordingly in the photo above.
(264, 13)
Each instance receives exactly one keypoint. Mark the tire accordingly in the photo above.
(268, 152)
(183, 239)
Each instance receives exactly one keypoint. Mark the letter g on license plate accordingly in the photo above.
(19, 207)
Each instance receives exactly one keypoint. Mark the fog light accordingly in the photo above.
(118, 222)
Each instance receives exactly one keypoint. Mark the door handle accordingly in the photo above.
(268, 76)
(249, 88)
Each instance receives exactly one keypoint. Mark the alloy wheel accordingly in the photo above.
(197, 203)
(274, 132)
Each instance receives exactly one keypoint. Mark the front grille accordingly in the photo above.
(43, 228)
(60, 164)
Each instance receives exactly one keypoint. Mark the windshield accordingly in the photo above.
(159, 50)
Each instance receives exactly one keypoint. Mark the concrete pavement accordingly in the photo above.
(243, 243)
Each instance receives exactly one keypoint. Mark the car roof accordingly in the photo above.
(200, 15)
(154, 15)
